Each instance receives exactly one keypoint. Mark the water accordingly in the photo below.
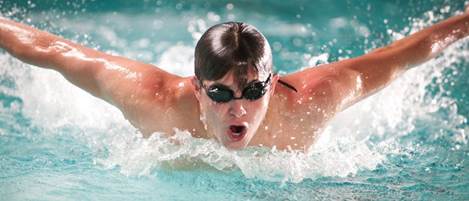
(407, 142)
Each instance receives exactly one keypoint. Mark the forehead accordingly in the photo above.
(234, 81)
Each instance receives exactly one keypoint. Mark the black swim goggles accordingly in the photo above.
(223, 94)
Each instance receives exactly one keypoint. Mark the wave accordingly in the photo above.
(360, 138)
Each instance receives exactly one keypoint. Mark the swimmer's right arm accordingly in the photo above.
(117, 80)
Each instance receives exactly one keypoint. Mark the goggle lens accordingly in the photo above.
(222, 94)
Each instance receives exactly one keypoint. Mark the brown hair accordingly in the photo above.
(232, 46)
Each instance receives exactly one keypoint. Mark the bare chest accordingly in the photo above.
(289, 127)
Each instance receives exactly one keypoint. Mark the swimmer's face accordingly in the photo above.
(234, 123)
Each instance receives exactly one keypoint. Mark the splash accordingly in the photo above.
(358, 139)
(134, 155)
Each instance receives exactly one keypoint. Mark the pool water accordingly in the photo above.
(409, 141)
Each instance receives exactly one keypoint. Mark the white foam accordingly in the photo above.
(178, 59)
(343, 149)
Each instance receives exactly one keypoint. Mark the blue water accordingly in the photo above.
(407, 142)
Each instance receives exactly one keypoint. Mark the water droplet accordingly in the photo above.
(229, 6)
(213, 17)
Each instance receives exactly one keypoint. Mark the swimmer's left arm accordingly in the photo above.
(349, 81)
(373, 71)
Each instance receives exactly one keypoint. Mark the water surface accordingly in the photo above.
(407, 142)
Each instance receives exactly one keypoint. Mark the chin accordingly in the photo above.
(236, 144)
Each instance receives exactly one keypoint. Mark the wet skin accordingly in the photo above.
(154, 100)
(282, 117)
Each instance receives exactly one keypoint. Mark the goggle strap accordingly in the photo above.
(287, 85)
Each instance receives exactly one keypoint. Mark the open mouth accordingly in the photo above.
(237, 132)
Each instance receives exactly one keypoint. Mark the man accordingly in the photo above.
(234, 97)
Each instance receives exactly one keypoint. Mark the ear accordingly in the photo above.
(195, 87)
(275, 79)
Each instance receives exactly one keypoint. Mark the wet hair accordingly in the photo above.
(232, 46)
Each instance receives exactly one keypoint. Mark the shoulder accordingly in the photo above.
(164, 106)
(319, 95)
(312, 84)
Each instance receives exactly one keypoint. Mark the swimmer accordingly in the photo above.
(234, 96)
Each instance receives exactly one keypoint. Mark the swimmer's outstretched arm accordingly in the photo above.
(122, 82)
(346, 82)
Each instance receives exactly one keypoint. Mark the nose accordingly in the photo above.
(237, 109)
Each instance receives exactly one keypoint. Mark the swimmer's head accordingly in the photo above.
(233, 81)
(232, 46)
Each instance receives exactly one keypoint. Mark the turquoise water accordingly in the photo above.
(407, 142)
